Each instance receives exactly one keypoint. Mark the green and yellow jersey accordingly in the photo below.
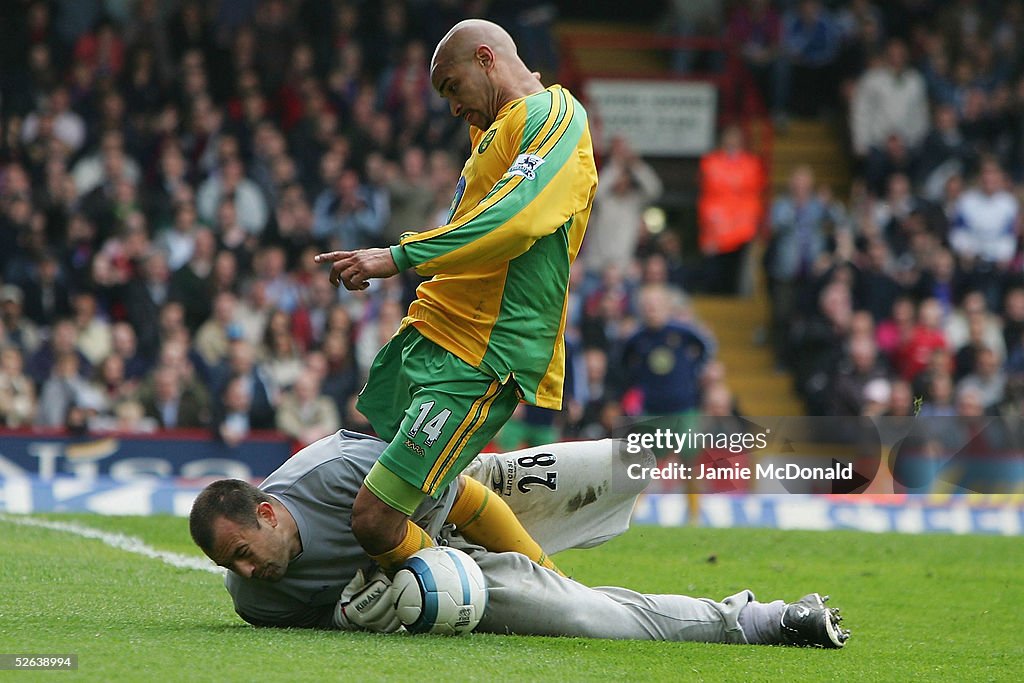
(500, 265)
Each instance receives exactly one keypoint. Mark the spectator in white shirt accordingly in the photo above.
(986, 223)
(231, 182)
(628, 185)
(179, 240)
(68, 126)
(988, 379)
(889, 99)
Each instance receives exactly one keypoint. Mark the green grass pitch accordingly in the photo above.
(921, 607)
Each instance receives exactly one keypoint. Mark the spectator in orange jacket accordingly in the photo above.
(729, 211)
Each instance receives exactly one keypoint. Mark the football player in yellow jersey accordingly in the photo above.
(487, 330)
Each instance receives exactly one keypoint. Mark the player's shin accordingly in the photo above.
(380, 517)
(486, 520)
(415, 539)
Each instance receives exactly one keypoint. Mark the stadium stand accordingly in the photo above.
(167, 170)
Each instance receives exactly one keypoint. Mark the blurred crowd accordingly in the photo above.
(907, 295)
(168, 169)
(903, 293)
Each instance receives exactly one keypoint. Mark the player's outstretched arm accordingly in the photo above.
(354, 269)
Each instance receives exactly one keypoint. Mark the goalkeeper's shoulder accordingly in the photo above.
(268, 605)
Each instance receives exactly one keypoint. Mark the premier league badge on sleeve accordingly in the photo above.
(526, 165)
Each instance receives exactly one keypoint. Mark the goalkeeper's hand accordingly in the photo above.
(366, 604)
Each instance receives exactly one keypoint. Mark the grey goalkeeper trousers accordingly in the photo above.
(526, 599)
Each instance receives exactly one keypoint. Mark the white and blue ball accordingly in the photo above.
(440, 590)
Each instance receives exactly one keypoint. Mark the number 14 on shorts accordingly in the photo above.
(432, 428)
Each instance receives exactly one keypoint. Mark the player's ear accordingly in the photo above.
(265, 511)
(485, 57)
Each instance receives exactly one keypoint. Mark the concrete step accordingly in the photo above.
(839, 184)
(624, 62)
(747, 362)
(814, 142)
(797, 129)
(807, 154)
(651, 62)
(770, 408)
(750, 369)
(767, 396)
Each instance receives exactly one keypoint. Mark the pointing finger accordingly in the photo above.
(330, 256)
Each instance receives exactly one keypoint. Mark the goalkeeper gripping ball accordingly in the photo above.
(440, 590)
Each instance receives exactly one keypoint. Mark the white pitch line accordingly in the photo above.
(131, 544)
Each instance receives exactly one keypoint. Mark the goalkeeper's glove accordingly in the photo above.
(366, 604)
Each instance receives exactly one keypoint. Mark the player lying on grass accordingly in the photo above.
(293, 560)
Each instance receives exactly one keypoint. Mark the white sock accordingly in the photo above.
(762, 622)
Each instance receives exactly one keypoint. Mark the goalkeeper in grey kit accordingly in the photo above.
(293, 560)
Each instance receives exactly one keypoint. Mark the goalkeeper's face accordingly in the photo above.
(261, 552)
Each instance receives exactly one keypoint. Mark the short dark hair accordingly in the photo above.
(232, 499)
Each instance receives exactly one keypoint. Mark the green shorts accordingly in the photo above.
(437, 411)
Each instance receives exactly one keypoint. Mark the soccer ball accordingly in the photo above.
(440, 590)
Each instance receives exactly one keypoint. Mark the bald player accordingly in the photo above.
(293, 559)
(487, 330)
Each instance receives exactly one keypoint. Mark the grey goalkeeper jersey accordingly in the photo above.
(318, 485)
